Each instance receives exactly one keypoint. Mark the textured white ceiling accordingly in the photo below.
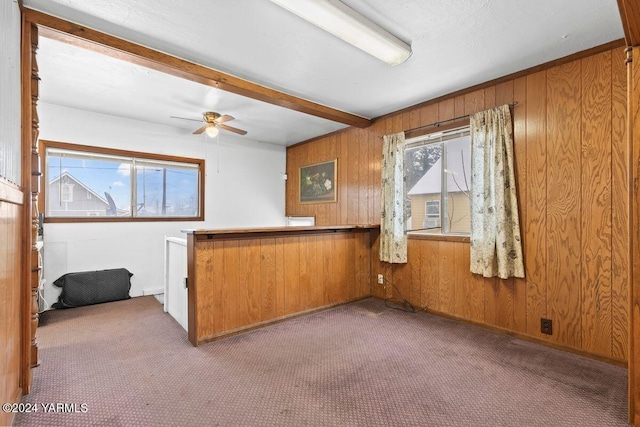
(78, 78)
(456, 44)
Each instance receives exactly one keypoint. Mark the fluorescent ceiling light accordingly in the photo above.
(342, 21)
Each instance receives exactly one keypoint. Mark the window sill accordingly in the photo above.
(439, 237)
(119, 219)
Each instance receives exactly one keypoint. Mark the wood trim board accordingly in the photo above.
(633, 130)
(630, 16)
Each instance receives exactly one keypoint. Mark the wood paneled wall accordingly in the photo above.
(359, 153)
(240, 282)
(11, 218)
(569, 141)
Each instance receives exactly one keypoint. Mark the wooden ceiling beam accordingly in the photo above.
(630, 15)
(77, 35)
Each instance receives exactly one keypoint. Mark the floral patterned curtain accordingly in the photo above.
(496, 248)
(393, 237)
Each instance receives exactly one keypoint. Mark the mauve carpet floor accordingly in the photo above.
(356, 365)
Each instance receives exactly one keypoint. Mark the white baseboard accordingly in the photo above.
(155, 291)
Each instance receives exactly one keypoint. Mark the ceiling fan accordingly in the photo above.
(212, 122)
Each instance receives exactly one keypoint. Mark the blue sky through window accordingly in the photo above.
(99, 175)
(113, 176)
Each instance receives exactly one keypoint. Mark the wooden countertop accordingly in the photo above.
(226, 233)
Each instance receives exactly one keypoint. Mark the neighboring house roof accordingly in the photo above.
(431, 181)
(75, 180)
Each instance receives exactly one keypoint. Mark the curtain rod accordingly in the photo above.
(438, 123)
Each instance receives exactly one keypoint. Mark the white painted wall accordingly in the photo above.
(243, 188)
(10, 147)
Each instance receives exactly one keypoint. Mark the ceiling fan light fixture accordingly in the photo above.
(211, 130)
(340, 20)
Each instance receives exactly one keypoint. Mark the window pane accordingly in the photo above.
(457, 216)
(424, 176)
(117, 183)
(166, 190)
(438, 173)
(86, 185)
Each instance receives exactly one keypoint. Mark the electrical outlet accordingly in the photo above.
(546, 326)
(380, 279)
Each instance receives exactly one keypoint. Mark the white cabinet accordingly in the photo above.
(175, 276)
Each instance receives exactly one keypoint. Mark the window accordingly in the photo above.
(437, 169)
(116, 185)
(432, 214)
(66, 195)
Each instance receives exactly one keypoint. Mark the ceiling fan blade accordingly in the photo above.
(199, 131)
(225, 118)
(234, 130)
(184, 118)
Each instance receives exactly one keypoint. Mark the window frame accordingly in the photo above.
(420, 139)
(46, 144)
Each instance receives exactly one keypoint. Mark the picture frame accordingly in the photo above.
(318, 182)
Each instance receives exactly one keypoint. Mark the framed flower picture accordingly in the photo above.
(318, 182)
